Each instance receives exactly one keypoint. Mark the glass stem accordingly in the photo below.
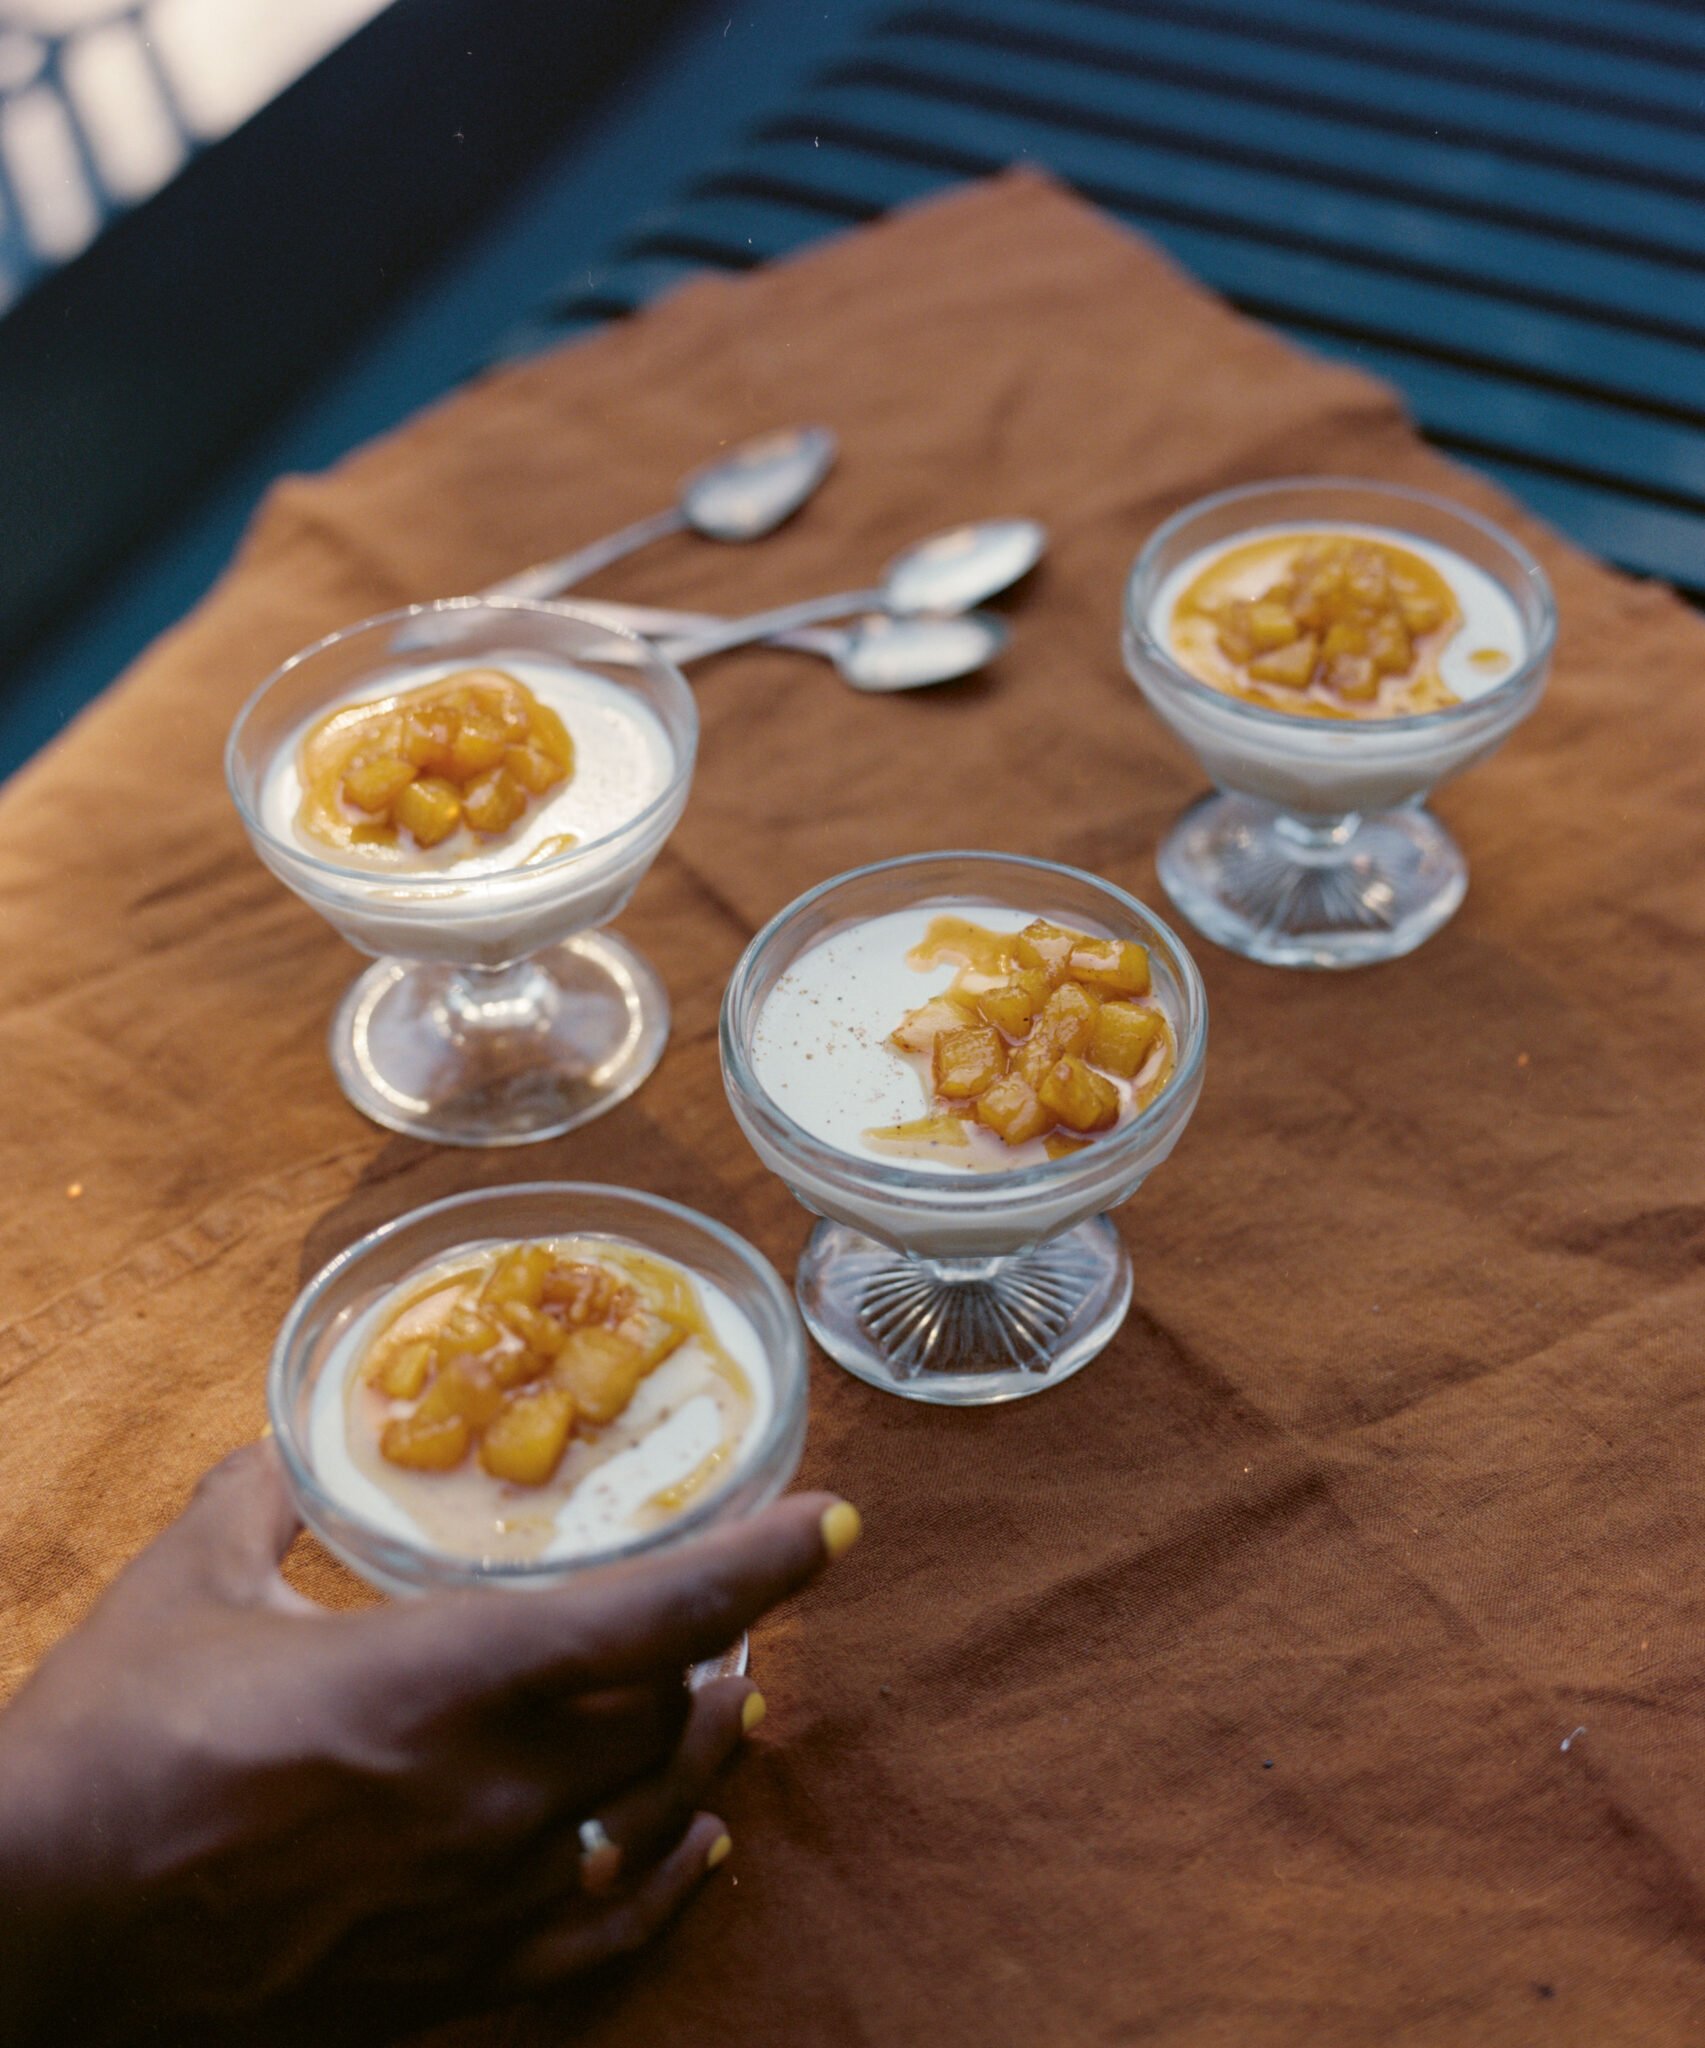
(1317, 842)
(960, 1272)
(492, 999)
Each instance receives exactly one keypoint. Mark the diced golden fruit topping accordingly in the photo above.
(1124, 1036)
(1075, 1095)
(601, 1369)
(1046, 947)
(1024, 1041)
(966, 1062)
(429, 1446)
(1115, 967)
(1009, 1107)
(919, 1029)
(526, 1441)
(519, 1355)
(1345, 622)
(472, 750)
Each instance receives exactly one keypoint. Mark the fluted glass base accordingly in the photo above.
(1312, 892)
(964, 1331)
(501, 1056)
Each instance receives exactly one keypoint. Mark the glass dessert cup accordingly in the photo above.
(1315, 850)
(352, 1283)
(945, 1284)
(497, 1011)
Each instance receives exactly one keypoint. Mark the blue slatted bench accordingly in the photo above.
(1500, 208)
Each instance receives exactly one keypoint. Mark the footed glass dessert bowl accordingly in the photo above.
(470, 791)
(960, 1062)
(1330, 650)
(505, 1387)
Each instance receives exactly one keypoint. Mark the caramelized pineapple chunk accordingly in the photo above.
(1067, 1022)
(520, 1275)
(493, 802)
(462, 1388)
(1292, 667)
(653, 1336)
(538, 1331)
(1011, 1005)
(430, 808)
(586, 1293)
(465, 1330)
(525, 1443)
(1124, 1036)
(967, 1061)
(1119, 967)
(550, 735)
(601, 1370)
(919, 1029)
(532, 767)
(1046, 947)
(1010, 1109)
(375, 785)
(433, 1445)
(402, 1373)
(1075, 1095)
(479, 743)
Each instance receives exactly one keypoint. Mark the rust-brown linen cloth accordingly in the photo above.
(1320, 1666)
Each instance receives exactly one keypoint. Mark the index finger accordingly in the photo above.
(613, 1625)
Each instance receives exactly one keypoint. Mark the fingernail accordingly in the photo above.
(841, 1528)
(752, 1711)
(718, 1851)
(265, 1433)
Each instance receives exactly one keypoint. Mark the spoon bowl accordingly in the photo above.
(753, 488)
(952, 571)
(739, 497)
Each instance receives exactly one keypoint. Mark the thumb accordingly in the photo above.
(237, 1527)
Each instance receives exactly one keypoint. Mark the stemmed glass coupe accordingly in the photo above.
(499, 1010)
(939, 1283)
(1315, 849)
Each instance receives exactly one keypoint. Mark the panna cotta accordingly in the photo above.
(1353, 622)
(562, 756)
(563, 853)
(538, 1401)
(963, 1036)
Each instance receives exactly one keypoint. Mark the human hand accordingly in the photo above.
(225, 1808)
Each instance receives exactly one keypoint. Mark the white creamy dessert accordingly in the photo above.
(824, 1050)
(1357, 760)
(678, 1439)
(567, 863)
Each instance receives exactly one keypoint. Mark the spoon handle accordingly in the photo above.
(767, 625)
(685, 629)
(545, 579)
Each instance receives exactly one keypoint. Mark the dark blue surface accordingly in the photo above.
(1499, 207)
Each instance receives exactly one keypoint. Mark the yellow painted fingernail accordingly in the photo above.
(265, 1433)
(752, 1711)
(842, 1527)
(719, 1851)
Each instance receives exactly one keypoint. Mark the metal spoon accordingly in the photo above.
(948, 573)
(877, 653)
(741, 496)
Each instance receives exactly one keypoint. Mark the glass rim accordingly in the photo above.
(1502, 694)
(785, 1415)
(971, 1188)
(432, 883)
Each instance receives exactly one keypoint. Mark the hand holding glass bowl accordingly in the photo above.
(526, 1537)
(498, 1011)
(943, 1283)
(1316, 850)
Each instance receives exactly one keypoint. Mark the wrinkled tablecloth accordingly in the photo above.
(1322, 1665)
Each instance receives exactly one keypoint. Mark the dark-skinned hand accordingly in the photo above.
(226, 1812)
